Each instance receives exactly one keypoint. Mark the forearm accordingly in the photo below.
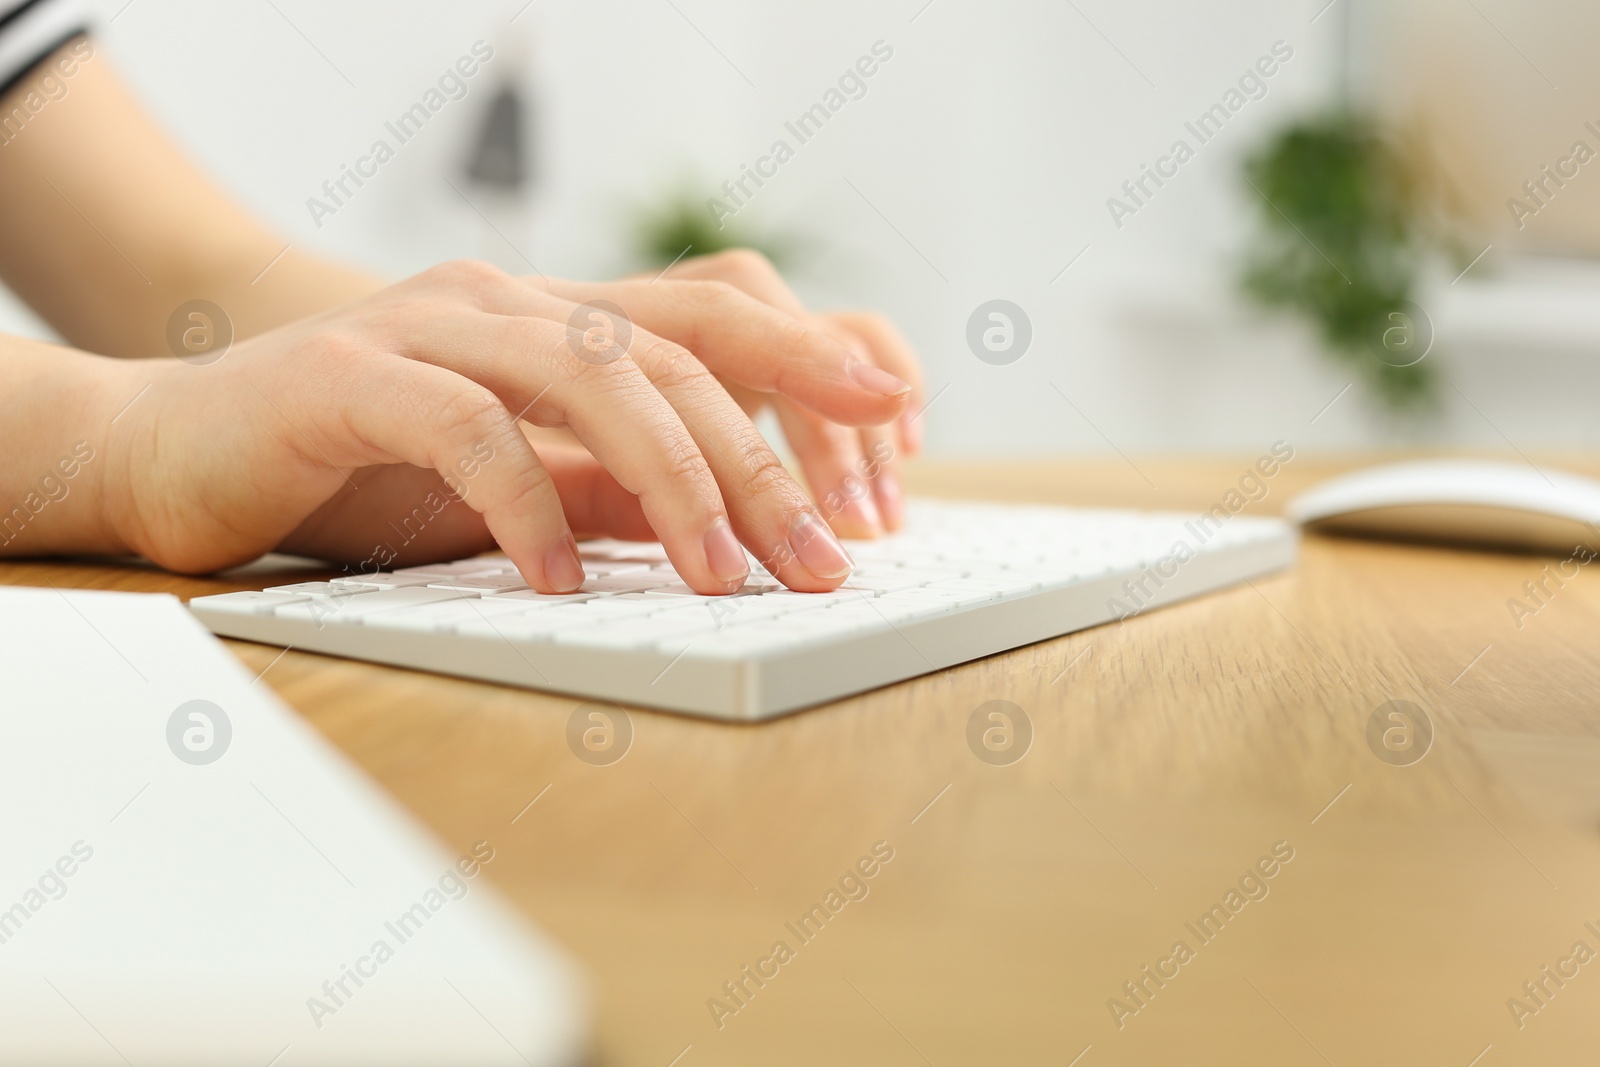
(57, 416)
(260, 284)
(106, 228)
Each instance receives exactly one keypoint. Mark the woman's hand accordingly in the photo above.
(330, 436)
(853, 469)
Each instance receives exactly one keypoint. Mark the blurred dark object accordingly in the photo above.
(1345, 231)
(500, 152)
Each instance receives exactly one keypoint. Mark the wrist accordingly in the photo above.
(57, 423)
(123, 431)
(105, 393)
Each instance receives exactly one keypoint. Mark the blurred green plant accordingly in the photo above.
(1344, 232)
(679, 225)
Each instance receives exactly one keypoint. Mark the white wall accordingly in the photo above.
(991, 141)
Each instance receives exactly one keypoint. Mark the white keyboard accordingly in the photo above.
(962, 581)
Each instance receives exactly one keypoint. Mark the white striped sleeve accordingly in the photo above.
(30, 30)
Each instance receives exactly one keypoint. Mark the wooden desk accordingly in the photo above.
(1170, 754)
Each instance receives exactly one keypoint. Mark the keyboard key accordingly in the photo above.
(842, 593)
(884, 584)
(486, 585)
(247, 602)
(635, 606)
(464, 568)
(679, 589)
(781, 635)
(824, 622)
(846, 618)
(623, 551)
(624, 583)
(318, 589)
(898, 614)
(742, 610)
(642, 633)
(940, 595)
(930, 572)
(609, 568)
(1053, 575)
(531, 625)
(753, 585)
(449, 614)
(384, 580)
(346, 609)
(1005, 583)
(545, 600)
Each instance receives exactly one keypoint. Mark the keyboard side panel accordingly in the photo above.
(718, 689)
(789, 683)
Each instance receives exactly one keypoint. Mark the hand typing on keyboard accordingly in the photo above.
(327, 436)
(304, 407)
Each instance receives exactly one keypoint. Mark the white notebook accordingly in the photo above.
(191, 875)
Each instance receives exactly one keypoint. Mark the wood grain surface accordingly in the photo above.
(1169, 756)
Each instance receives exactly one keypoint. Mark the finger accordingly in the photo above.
(766, 510)
(830, 457)
(769, 510)
(610, 406)
(891, 351)
(870, 337)
(412, 412)
(755, 345)
(876, 449)
(751, 273)
(746, 270)
(684, 434)
(880, 467)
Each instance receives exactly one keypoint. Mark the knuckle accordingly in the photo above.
(334, 362)
(335, 348)
(744, 263)
(682, 465)
(710, 302)
(715, 294)
(792, 336)
(471, 413)
(535, 491)
(542, 338)
(875, 322)
(765, 474)
(469, 275)
(671, 366)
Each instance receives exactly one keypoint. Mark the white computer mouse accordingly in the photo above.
(1479, 502)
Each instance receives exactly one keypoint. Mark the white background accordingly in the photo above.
(990, 142)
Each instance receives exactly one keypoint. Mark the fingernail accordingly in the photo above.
(891, 500)
(911, 424)
(862, 513)
(724, 554)
(875, 380)
(816, 548)
(561, 566)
